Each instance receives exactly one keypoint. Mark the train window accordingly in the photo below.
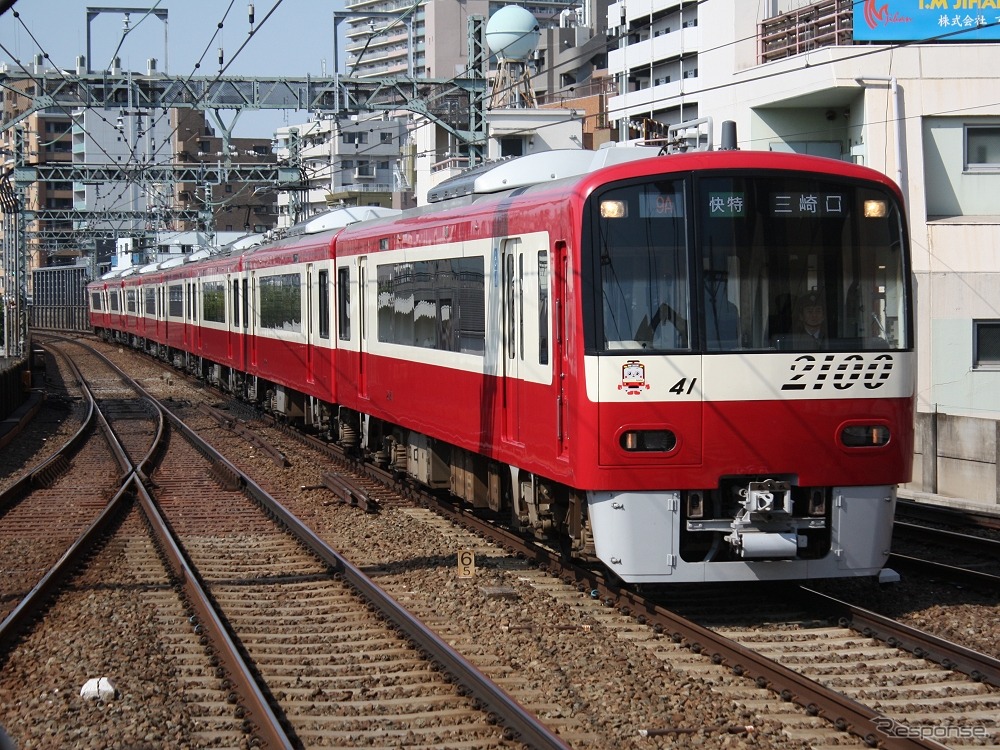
(344, 304)
(95, 300)
(113, 301)
(543, 307)
(213, 301)
(324, 304)
(798, 262)
(130, 304)
(246, 303)
(281, 302)
(175, 300)
(435, 304)
(511, 296)
(641, 265)
(149, 301)
(236, 303)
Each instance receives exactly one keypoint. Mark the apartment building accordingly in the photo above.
(431, 40)
(351, 161)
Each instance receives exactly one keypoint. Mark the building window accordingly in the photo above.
(986, 344)
(982, 147)
(385, 137)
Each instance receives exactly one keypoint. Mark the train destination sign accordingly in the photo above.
(793, 204)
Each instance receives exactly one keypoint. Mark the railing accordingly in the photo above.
(822, 24)
(452, 162)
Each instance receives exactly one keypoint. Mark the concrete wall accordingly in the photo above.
(957, 457)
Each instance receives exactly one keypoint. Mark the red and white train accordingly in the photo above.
(601, 346)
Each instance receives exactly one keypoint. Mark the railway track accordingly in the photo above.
(887, 684)
(278, 665)
(51, 504)
(775, 706)
(947, 544)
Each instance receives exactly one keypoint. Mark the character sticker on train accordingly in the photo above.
(633, 378)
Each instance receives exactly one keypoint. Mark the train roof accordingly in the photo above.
(533, 169)
(338, 218)
(549, 166)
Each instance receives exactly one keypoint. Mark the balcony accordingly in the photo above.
(822, 24)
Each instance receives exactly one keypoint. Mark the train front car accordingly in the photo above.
(749, 361)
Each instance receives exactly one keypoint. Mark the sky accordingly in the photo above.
(293, 38)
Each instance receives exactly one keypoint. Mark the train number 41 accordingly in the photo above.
(682, 387)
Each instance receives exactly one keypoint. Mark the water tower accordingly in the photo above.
(512, 35)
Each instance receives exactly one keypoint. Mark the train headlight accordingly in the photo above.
(649, 441)
(864, 435)
(876, 209)
(611, 209)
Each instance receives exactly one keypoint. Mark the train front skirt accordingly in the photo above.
(638, 537)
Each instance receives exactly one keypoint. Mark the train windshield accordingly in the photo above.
(738, 262)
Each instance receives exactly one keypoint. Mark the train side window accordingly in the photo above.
(246, 304)
(213, 301)
(176, 300)
(236, 303)
(344, 304)
(280, 300)
(324, 304)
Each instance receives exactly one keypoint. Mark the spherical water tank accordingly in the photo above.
(512, 33)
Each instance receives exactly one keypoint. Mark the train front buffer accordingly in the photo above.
(763, 530)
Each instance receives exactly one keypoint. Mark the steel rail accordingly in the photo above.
(942, 514)
(978, 666)
(956, 574)
(258, 717)
(45, 471)
(34, 602)
(846, 714)
(517, 720)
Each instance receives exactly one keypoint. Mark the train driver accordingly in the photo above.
(809, 329)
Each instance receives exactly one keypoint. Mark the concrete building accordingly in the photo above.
(227, 206)
(354, 161)
(909, 88)
(431, 40)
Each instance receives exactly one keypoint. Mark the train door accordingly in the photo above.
(250, 324)
(512, 259)
(559, 345)
(197, 294)
(362, 327)
(233, 318)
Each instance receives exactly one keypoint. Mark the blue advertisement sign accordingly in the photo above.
(930, 20)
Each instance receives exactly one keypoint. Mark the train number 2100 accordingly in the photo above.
(840, 371)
